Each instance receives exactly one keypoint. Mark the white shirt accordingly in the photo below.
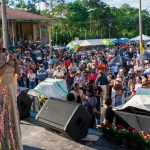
(58, 73)
(32, 77)
(50, 72)
(137, 86)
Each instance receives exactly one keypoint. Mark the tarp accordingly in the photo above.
(137, 101)
(51, 88)
(75, 42)
(88, 42)
(144, 38)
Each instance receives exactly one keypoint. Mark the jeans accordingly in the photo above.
(32, 84)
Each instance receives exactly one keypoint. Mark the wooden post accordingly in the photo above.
(4, 24)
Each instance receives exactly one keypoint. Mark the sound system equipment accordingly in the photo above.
(24, 104)
(70, 119)
(138, 119)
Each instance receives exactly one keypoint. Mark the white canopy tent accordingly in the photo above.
(90, 42)
(144, 38)
(76, 42)
(86, 43)
(148, 43)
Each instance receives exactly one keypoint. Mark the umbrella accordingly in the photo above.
(121, 40)
(107, 43)
(119, 60)
(86, 43)
(74, 46)
(144, 56)
(147, 71)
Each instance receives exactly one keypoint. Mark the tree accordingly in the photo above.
(21, 4)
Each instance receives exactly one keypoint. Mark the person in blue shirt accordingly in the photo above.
(41, 73)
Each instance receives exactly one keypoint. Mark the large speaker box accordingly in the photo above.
(68, 118)
(24, 104)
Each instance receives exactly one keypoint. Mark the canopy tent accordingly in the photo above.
(121, 40)
(148, 43)
(144, 38)
(76, 42)
(51, 88)
(90, 42)
(108, 43)
(86, 43)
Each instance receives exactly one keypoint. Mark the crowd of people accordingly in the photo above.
(91, 79)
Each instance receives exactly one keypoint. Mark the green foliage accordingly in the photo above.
(41, 99)
(129, 137)
(21, 4)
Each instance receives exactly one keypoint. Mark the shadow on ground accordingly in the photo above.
(26, 147)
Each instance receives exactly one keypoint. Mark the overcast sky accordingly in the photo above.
(133, 3)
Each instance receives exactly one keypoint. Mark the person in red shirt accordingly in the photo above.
(67, 63)
(93, 75)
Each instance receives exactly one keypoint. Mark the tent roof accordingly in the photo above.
(144, 38)
(89, 42)
(14, 14)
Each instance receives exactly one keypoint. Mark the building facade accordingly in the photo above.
(23, 25)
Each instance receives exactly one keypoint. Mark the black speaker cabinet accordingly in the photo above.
(24, 104)
(68, 118)
(138, 121)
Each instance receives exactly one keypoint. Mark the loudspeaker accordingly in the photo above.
(70, 119)
(138, 121)
(24, 104)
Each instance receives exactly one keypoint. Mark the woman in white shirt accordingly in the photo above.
(59, 73)
(32, 77)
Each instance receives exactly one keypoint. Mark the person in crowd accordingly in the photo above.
(90, 103)
(117, 93)
(70, 97)
(59, 73)
(70, 78)
(79, 78)
(132, 91)
(128, 66)
(50, 71)
(107, 114)
(45, 63)
(138, 83)
(102, 81)
(41, 73)
(78, 93)
(32, 79)
(115, 69)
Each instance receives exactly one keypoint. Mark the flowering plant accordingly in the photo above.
(129, 137)
(41, 99)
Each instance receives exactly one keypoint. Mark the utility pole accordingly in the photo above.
(4, 24)
(85, 34)
(101, 33)
(140, 27)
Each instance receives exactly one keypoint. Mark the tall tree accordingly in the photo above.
(21, 4)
